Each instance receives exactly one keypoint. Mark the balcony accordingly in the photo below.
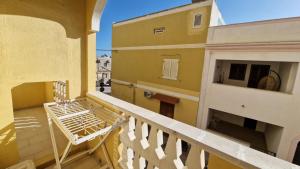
(149, 140)
(251, 103)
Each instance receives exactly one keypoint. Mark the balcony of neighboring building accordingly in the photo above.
(277, 76)
(249, 88)
(256, 134)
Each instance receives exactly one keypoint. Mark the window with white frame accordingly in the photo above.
(170, 69)
(197, 21)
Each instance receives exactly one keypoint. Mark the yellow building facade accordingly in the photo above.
(144, 46)
(41, 42)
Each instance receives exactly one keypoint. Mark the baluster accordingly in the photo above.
(125, 143)
(124, 137)
(123, 154)
(150, 165)
(142, 163)
(131, 129)
(160, 140)
(151, 155)
(178, 163)
(138, 135)
(136, 160)
(170, 152)
(130, 156)
(195, 159)
(145, 134)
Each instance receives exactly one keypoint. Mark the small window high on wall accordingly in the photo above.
(197, 21)
(170, 69)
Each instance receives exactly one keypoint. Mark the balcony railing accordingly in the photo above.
(149, 140)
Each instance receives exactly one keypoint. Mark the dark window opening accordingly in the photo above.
(197, 21)
(257, 72)
(296, 159)
(250, 123)
(167, 109)
(237, 71)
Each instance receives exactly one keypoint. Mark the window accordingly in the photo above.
(237, 71)
(170, 69)
(197, 20)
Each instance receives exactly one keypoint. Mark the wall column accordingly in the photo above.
(9, 154)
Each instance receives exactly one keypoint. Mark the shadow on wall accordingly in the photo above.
(7, 143)
(29, 95)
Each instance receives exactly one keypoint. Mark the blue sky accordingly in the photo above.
(233, 11)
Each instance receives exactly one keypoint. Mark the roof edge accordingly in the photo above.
(165, 12)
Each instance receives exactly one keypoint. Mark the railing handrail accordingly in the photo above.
(225, 148)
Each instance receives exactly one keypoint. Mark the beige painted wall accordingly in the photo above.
(281, 109)
(273, 137)
(280, 30)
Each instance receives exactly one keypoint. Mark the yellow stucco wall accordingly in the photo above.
(135, 66)
(41, 41)
(29, 95)
(185, 111)
(123, 92)
(151, 104)
(146, 65)
(216, 162)
(178, 30)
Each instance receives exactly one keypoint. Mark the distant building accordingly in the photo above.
(103, 73)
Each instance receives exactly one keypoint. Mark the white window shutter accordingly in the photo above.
(166, 68)
(170, 69)
(174, 69)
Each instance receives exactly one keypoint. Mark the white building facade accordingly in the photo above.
(104, 73)
(251, 85)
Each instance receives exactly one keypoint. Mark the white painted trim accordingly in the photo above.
(203, 89)
(122, 82)
(180, 46)
(167, 12)
(97, 13)
(169, 93)
(157, 90)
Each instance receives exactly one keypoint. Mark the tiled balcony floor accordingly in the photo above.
(33, 136)
(88, 162)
